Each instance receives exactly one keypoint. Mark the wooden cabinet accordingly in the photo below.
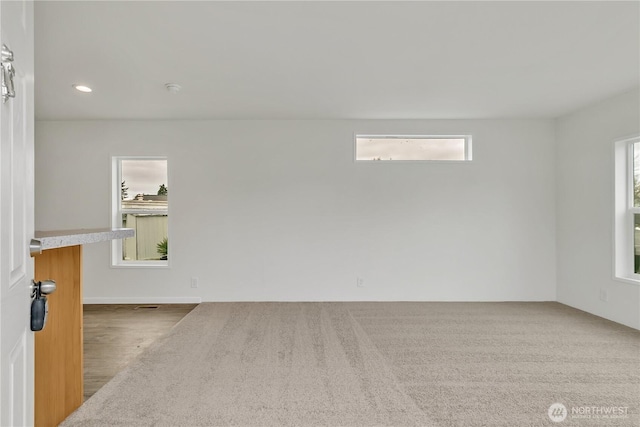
(58, 347)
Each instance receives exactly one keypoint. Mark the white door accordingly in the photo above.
(16, 218)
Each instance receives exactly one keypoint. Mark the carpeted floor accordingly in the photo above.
(377, 364)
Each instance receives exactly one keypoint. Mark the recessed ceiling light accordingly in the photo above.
(82, 88)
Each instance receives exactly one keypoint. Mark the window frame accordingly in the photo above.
(468, 152)
(624, 211)
(117, 212)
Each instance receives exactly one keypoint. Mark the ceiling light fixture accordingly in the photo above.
(83, 88)
(173, 87)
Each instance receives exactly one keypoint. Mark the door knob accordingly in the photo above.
(44, 287)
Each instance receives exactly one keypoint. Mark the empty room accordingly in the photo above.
(320, 213)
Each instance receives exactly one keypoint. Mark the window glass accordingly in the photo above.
(636, 243)
(143, 204)
(636, 174)
(398, 148)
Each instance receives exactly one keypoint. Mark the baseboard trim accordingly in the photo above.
(143, 300)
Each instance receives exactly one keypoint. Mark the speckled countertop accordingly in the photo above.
(61, 238)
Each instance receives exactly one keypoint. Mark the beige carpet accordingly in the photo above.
(376, 364)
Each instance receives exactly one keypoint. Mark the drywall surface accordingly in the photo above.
(585, 209)
(279, 210)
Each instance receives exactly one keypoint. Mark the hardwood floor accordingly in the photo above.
(115, 334)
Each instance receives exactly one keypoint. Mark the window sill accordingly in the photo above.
(142, 264)
(630, 280)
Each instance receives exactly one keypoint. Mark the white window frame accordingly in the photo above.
(468, 157)
(116, 215)
(624, 211)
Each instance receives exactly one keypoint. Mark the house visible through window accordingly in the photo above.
(141, 202)
(417, 148)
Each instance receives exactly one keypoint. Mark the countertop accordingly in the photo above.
(61, 238)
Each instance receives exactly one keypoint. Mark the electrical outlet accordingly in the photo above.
(604, 295)
(360, 282)
(194, 282)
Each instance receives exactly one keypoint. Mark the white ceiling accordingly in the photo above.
(332, 60)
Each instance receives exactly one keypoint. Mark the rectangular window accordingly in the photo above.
(627, 209)
(634, 210)
(446, 148)
(141, 202)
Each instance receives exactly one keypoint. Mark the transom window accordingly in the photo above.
(413, 148)
(141, 202)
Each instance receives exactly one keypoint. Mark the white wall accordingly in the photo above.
(278, 210)
(585, 208)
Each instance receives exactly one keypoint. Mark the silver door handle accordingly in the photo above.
(7, 75)
(44, 287)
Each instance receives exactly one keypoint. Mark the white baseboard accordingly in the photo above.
(143, 300)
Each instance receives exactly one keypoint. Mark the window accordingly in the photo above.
(141, 202)
(627, 209)
(413, 148)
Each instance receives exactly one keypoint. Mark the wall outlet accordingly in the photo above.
(360, 282)
(194, 282)
(604, 295)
